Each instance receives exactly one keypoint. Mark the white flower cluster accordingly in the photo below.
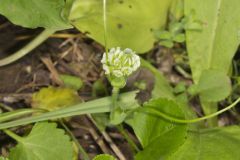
(120, 63)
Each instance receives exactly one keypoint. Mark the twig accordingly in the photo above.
(96, 137)
(81, 149)
(108, 139)
(55, 76)
(127, 137)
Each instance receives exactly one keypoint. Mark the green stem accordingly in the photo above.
(81, 149)
(5, 107)
(209, 108)
(18, 113)
(147, 65)
(104, 105)
(13, 135)
(176, 120)
(115, 94)
(105, 27)
(129, 140)
(28, 48)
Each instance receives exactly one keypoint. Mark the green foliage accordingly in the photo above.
(72, 81)
(104, 157)
(162, 139)
(177, 25)
(158, 136)
(3, 158)
(54, 98)
(99, 88)
(209, 144)
(129, 23)
(177, 10)
(35, 13)
(46, 142)
(161, 85)
(127, 101)
(215, 46)
(173, 34)
(148, 127)
(213, 86)
(212, 39)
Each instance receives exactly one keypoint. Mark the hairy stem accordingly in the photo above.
(28, 48)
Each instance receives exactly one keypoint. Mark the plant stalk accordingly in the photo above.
(115, 94)
(81, 149)
(209, 108)
(184, 121)
(129, 140)
(13, 135)
(28, 48)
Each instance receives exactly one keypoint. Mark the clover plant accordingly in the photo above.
(166, 126)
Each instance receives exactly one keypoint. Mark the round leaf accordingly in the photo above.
(45, 142)
(130, 23)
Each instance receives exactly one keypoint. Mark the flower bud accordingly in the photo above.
(119, 64)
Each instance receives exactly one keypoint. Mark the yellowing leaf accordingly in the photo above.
(54, 98)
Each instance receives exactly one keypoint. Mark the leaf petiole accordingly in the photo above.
(28, 48)
(155, 112)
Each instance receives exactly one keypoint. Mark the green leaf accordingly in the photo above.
(213, 86)
(35, 13)
(54, 98)
(179, 38)
(99, 88)
(214, 46)
(73, 82)
(158, 136)
(177, 9)
(45, 142)
(3, 158)
(209, 144)
(161, 86)
(101, 105)
(104, 157)
(130, 23)
(102, 120)
(148, 127)
(167, 43)
(163, 35)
